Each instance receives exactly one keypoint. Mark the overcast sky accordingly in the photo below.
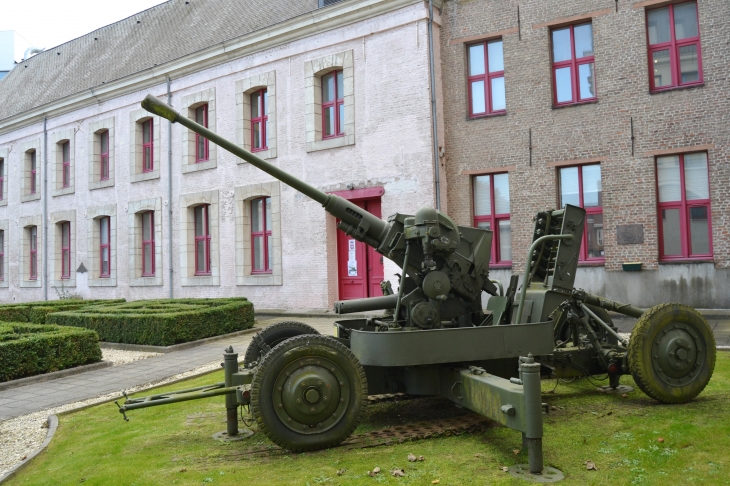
(49, 23)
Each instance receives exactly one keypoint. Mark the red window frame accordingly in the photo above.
(337, 103)
(203, 238)
(148, 243)
(32, 172)
(493, 220)
(202, 148)
(105, 246)
(264, 234)
(487, 78)
(148, 152)
(66, 161)
(583, 255)
(65, 250)
(33, 231)
(684, 206)
(574, 64)
(2, 255)
(262, 120)
(104, 155)
(673, 46)
(2, 179)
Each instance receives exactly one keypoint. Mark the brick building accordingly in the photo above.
(101, 199)
(620, 106)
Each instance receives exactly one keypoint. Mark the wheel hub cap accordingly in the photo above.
(677, 354)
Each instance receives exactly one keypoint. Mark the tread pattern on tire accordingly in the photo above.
(293, 343)
(253, 352)
(635, 353)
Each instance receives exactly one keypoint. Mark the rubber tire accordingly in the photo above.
(271, 366)
(272, 336)
(647, 328)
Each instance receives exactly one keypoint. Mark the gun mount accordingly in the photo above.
(307, 391)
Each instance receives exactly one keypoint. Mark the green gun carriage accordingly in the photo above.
(307, 391)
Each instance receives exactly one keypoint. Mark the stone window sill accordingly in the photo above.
(208, 164)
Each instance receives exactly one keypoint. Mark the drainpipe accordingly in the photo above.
(437, 179)
(169, 188)
(45, 209)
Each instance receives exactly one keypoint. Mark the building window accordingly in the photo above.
(259, 120)
(66, 161)
(486, 79)
(104, 156)
(2, 255)
(104, 247)
(685, 226)
(148, 244)
(581, 186)
(261, 235)
(201, 143)
(65, 250)
(2, 179)
(33, 230)
(148, 163)
(32, 171)
(202, 240)
(491, 211)
(333, 105)
(674, 46)
(574, 77)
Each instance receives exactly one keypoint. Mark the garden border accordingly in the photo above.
(52, 426)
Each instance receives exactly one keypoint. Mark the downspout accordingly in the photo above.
(437, 179)
(45, 209)
(169, 189)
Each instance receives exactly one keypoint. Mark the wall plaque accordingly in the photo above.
(630, 234)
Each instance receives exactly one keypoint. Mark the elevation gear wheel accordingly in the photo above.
(308, 393)
(672, 353)
(271, 336)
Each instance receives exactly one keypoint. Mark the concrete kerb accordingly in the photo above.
(54, 375)
(175, 347)
(52, 426)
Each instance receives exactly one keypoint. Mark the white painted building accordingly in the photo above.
(100, 203)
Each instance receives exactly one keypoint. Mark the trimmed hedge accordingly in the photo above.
(36, 312)
(32, 349)
(161, 322)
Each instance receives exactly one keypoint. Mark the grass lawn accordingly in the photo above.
(172, 444)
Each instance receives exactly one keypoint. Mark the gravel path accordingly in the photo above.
(118, 357)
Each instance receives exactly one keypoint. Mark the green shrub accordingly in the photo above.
(32, 349)
(161, 322)
(36, 312)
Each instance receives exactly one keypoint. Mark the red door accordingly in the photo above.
(360, 268)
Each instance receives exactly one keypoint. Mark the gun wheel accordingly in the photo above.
(308, 393)
(270, 337)
(672, 353)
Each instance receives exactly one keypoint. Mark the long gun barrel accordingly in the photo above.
(354, 221)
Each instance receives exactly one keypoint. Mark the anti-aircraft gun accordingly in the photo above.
(307, 391)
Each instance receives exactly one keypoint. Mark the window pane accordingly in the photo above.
(258, 253)
(671, 236)
(199, 223)
(147, 258)
(328, 87)
(696, 183)
(32, 161)
(329, 120)
(146, 226)
(501, 194)
(146, 132)
(268, 214)
(201, 266)
(688, 64)
(201, 148)
(105, 261)
(583, 40)
(257, 216)
(668, 179)
(569, 187)
(561, 45)
(505, 240)
(104, 142)
(563, 85)
(33, 235)
(65, 234)
(476, 60)
(594, 235)
(66, 152)
(147, 158)
(200, 115)
(495, 56)
(592, 186)
(658, 21)
(64, 263)
(104, 226)
(484, 225)
(699, 231)
(266, 102)
(587, 81)
(662, 68)
(342, 118)
(270, 252)
(685, 21)
(255, 105)
(478, 101)
(498, 96)
(257, 135)
(340, 86)
(482, 196)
